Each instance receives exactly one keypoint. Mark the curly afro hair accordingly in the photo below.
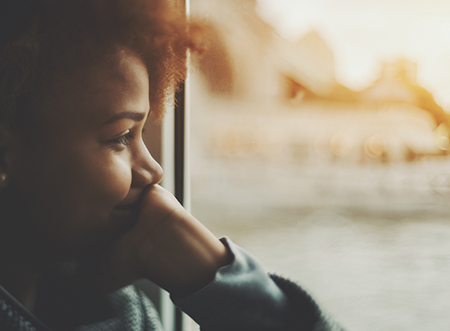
(41, 41)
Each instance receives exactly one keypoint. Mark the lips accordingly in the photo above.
(125, 216)
(132, 200)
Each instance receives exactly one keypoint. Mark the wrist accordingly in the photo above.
(181, 255)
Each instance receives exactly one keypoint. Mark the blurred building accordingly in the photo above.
(264, 97)
(397, 82)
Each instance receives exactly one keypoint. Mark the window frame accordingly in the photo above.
(168, 142)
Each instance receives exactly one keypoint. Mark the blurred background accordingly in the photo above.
(320, 143)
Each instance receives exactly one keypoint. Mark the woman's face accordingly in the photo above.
(81, 177)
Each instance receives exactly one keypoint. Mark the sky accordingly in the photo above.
(362, 33)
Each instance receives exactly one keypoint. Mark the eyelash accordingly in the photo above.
(123, 139)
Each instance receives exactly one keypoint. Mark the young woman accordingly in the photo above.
(81, 213)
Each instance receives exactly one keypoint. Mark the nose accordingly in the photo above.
(146, 171)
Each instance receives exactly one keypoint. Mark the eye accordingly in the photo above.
(124, 139)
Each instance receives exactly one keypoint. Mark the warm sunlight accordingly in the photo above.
(361, 33)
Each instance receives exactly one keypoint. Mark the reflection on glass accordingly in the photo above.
(320, 142)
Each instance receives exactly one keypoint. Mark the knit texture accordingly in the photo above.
(242, 297)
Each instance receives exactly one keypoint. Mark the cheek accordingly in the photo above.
(109, 179)
(84, 184)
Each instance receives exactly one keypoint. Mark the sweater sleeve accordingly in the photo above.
(243, 296)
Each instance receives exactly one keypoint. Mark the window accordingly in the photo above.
(324, 150)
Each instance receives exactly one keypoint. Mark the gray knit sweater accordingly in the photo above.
(242, 297)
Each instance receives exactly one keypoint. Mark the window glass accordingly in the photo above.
(319, 143)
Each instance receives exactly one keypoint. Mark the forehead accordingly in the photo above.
(116, 84)
(120, 84)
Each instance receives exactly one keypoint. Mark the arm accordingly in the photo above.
(243, 296)
(167, 246)
(220, 285)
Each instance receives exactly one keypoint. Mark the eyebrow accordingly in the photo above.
(135, 116)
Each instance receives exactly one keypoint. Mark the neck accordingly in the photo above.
(20, 278)
(20, 267)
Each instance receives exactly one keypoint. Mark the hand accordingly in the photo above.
(167, 245)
